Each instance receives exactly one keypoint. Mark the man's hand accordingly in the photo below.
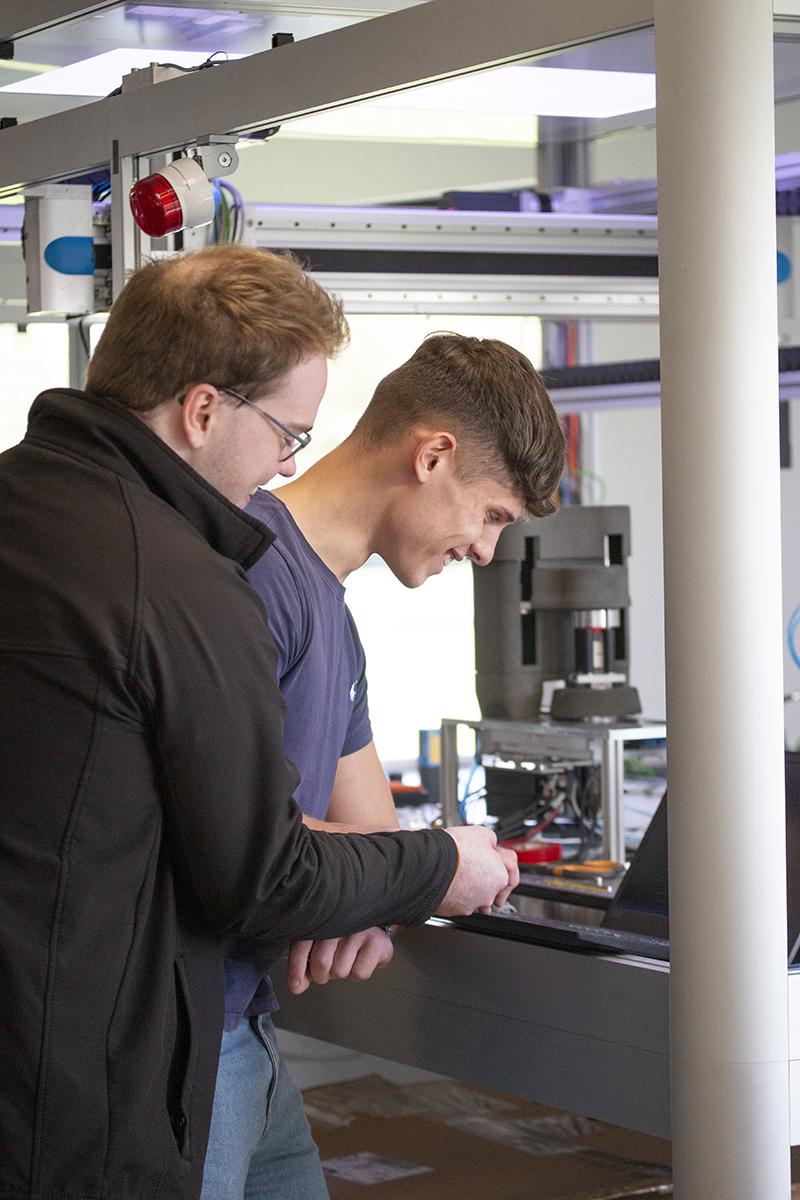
(354, 957)
(486, 874)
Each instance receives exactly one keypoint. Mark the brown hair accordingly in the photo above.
(228, 315)
(491, 397)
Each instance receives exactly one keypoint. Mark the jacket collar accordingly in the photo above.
(106, 433)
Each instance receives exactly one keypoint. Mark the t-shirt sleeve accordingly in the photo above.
(359, 729)
(237, 844)
(287, 618)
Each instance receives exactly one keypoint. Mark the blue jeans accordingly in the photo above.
(260, 1146)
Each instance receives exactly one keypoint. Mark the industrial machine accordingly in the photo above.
(567, 651)
(551, 649)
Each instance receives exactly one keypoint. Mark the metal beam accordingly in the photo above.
(583, 1032)
(453, 231)
(432, 41)
(548, 287)
(431, 229)
(549, 297)
(588, 1033)
(640, 395)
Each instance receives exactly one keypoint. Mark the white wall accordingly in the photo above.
(626, 452)
(32, 361)
(339, 171)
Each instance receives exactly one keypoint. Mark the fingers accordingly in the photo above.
(484, 875)
(323, 954)
(511, 863)
(355, 957)
(501, 898)
(297, 976)
(375, 954)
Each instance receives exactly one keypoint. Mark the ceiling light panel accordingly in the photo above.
(102, 73)
(542, 91)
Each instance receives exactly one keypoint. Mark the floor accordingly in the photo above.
(424, 1137)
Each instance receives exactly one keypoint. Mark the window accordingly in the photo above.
(34, 358)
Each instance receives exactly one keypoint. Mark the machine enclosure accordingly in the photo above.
(57, 244)
(542, 573)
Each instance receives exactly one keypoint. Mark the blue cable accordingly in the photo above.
(794, 621)
(462, 804)
(217, 194)
(238, 207)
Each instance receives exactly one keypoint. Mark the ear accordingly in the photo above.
(434, 455)
(198, 412)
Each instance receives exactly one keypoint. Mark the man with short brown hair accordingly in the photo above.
(147, 805)
(455, 444)
(488, 393)
(228, 314)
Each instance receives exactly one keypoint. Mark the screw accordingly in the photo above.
(224, 159)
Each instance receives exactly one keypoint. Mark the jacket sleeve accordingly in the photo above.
(205, 665)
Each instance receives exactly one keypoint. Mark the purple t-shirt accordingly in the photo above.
(321, 673)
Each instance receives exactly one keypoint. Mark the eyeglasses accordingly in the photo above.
(297, 441)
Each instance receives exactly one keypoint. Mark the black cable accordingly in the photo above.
(209, 62)
(83, 334)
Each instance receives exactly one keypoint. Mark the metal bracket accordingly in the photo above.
(217, 154)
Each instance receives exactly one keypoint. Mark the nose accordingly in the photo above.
(287, 468)
(482, 550)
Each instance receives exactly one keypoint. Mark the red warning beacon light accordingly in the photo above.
(179, 196)
(155, 206)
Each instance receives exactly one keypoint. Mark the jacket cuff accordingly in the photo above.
(430, 901)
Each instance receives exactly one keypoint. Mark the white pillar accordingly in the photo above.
(716, 212)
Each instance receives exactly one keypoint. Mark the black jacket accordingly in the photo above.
(145, 807)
